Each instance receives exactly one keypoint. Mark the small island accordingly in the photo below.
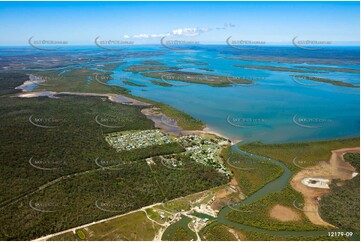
(275, 68)
(193, 77)
(326, 80)
(141, 68)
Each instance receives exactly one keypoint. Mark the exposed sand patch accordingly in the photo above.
(284, 214)
(208, 130)
(38, 94)
(33, 80)
(336, 168)
(316, 182)
(237, 234)
(226, 195)
(162, 121)
(118, 98)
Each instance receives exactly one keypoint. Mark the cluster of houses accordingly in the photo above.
(137, 139)
(189, 140)
(200, 149)
(204, 150)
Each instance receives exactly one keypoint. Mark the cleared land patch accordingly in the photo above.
(284, 214)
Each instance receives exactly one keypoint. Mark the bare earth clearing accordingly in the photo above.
(336, 168)
(284, 214)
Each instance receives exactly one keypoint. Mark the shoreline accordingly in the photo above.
(162, 121)
(209, 130)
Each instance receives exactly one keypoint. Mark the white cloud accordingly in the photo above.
(190, 31)
(176, 32)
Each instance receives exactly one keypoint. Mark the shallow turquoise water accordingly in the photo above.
(269, 111)
(277, 108)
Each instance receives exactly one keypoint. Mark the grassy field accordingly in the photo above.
(134, 226)
(155, 214)
(309, 152)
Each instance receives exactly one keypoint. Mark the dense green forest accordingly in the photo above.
(51, 178)
(353, 159)
(10, 80)
(341, 207)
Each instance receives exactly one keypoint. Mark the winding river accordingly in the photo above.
(276, 185)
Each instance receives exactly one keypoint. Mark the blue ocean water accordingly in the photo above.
(275, 109)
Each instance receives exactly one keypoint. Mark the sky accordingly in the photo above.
(79, 23)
